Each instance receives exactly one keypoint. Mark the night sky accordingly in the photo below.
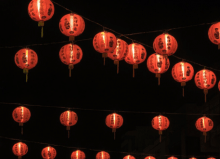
(92, 85)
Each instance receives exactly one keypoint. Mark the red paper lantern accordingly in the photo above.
(204, 124)
(20, 149)
(129, 157)
(182, 72)
(78, 155)
(192, 158)
(26, 59)
(205, 79)
(104, 42)
(21, 115)
(149, 157)
(68, 118)
(48, 152)
(70, 54)
(114, 121)
(72, 25)
(219, 85)
(172, 157)
(136, 55)
(102, 155)
(158, 64)
(211, 158)
(41, 11)
(160, 123)
(165, 44)
(119, 52)
(214, 34)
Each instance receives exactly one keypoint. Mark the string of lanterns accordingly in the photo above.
(108, 45)
(20, 149)
(114, 121)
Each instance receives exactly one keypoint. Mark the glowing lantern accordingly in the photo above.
(165, 44)
(129, 157)
(41, 11)
(192, 158)
(158, 64)
(119, 53)
(219, 85)
(172, 157)
(68, 118)
(78, 155)
(214, 34)
(136, 55)
(21, 115)
(104, 42)
(20, 149)
(114, 121)
(160, 123)
(182, 72)
(211, 158)
(149, 157)
(102, 155)
(48, 153)
(26, 59)
(72, 25)
(70, 54)
(205, 79)
(204, 124)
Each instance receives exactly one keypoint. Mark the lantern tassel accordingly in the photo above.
(42, 32)
(204, 133)
(70, 69)
(205, 92)
(117, 67)
(19, 157)
(25, 70)
(104, 55)
(114, 130)
(160, 133)
(68, 129)
(219, 46)
(158, 76)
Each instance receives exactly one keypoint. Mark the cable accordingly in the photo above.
(121, 111)
(96, 150)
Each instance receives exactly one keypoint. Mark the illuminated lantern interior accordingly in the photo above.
(20, 149)
(214, 34)
(78, 155)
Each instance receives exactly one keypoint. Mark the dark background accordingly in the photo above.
(93, 85)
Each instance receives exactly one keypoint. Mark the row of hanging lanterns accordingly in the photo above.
(114, 121)
(20, 149)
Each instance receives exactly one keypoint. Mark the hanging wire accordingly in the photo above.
(96, 150)
(103, 110)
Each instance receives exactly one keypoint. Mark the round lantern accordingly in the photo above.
(149, 157)
(165, 44)
(68, 118)
(114, 121)
(104, 42)
(158, 64)
(172, 157)
(119, 53)
(182, 72)
(20, 149)
(21, 115)
(41, 11)
(78, 155)
(48, 153)
(102, 155)
(136, 55)
(214, 34)
(129, 157)
(204, 124)
(70, 54)
(26, 59)
(205, 79)
(72, 25)
(160, 123)
(211, 158)
(219, 85)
